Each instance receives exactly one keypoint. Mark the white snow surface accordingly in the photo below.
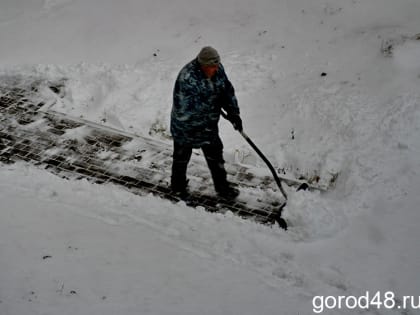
(72, 247)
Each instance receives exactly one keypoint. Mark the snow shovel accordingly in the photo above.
(282, 223)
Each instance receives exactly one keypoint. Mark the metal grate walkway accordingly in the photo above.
(76, 149)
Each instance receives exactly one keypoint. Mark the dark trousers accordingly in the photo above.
(213, 154)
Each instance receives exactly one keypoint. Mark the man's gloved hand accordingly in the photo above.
(236, 122)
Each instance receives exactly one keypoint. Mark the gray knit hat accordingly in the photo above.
(208, 56)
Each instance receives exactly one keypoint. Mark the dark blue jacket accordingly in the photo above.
(197, 102)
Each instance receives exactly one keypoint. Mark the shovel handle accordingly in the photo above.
(270, 166)
(263, 157)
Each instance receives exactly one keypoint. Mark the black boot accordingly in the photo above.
(226, 191)
(181, 190)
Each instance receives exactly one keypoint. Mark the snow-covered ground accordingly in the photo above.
(325, 87)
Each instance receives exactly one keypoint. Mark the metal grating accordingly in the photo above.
(27, 133)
